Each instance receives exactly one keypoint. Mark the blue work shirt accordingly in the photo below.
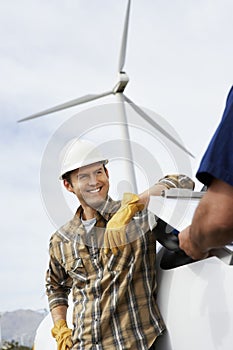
(217, 161)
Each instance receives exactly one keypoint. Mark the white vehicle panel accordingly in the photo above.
(197, 306)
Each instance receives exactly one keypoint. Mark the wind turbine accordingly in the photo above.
(117, 90)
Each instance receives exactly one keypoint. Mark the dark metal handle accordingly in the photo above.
(173, 256)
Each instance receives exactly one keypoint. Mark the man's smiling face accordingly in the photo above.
(90, 184)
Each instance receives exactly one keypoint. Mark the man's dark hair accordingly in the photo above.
(67, 176)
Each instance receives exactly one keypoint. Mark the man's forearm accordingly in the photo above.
(208, 234)
(212, 224)
(155, 190)
(168, 181)
(59, 313)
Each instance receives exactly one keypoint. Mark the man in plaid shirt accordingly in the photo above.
(111, 271)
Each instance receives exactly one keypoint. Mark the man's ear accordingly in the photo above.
(68, 186)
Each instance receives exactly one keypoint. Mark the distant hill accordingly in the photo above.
(20, 325)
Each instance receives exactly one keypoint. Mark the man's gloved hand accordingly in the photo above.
(177, 181)
(115, 233)
(62, 334)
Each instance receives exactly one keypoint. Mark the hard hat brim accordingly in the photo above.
(84, 163)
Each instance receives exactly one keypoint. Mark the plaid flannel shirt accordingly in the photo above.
(114, 298)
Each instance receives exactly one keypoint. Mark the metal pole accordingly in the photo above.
(128, 154)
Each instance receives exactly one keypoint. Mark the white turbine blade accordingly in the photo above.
(156, 125)
(124, 40)
(72, 103)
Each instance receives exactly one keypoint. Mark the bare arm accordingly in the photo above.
(212, 224)
(169, 181)
(59, 313)
(152, 191)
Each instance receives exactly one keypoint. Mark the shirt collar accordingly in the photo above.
(106, 209)
(75, 226)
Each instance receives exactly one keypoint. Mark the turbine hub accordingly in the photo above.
(123, 80)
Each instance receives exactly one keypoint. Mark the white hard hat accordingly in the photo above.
(80, 153)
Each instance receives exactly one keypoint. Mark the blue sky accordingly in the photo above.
(179, 60)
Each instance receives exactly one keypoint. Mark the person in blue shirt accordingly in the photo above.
(212, 223)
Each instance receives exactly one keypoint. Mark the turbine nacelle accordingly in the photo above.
(120, 86)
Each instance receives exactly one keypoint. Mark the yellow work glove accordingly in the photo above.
(62, 334)
(115, 233)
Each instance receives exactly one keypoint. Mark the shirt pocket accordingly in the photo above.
(76, 270)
